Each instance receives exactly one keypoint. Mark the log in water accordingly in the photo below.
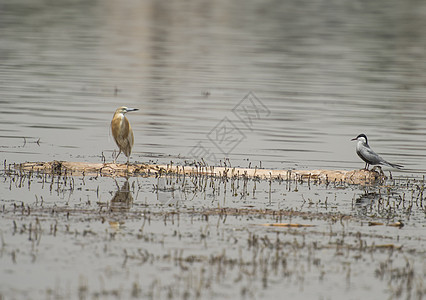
(110, 169)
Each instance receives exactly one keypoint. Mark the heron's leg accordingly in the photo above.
(365, 167)
(115, 159)
(116, 183)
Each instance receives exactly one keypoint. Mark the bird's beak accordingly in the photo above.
(132, 109)
(354, 139)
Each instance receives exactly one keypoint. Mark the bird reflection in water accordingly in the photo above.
(365, 202)
(367, 198)
(123, 199)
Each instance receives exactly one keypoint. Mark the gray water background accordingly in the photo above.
(326, 70)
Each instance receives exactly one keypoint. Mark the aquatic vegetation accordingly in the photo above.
(197, 235)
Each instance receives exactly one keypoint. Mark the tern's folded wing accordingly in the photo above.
(369, 155)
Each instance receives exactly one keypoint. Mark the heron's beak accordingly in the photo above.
(132, 109)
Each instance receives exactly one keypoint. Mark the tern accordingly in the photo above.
(122, 131)
(368, 155)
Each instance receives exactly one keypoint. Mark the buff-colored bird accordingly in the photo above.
(122, 131)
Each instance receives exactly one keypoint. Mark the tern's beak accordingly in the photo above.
(354, 139)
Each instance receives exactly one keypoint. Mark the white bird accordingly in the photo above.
(368, 155)
(122, 131)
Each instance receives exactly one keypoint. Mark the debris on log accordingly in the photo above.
(122, 170)
(398, 224)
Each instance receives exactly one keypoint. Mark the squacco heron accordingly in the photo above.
(122, 131)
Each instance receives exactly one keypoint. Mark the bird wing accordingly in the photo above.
(396, 166)
(126, 137)
(371, 157)
(368, 155)
(130, 137)
(115, 128)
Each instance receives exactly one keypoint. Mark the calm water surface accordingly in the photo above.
(325, 71)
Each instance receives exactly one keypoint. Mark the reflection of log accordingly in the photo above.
(110, 169)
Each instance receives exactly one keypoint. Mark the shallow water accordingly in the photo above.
(192, 237)
(318, 74)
